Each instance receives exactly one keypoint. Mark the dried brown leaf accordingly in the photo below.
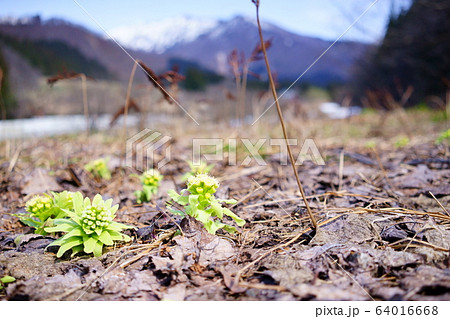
(156, 81)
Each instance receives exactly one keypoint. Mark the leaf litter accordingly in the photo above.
(382, 235)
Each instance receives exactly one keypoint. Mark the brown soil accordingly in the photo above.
(382, 235)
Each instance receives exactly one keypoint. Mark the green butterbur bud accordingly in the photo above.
(200, 203)
(99, 168)
(443, 138)
(43, 209)
(151, 177)
(202, 184)
(39, 205)
(63, 200)
(150, 182)
(198, 168)
(95, 217)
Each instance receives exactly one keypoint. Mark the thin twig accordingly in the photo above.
(269, 251)
(342, 193)
(149, 248)
(411, 242)
(280, 115)
(65, 75)
(445, 210)
(341, 169)
(246, 196)
(388, 210)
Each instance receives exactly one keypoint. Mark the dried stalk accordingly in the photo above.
(241, 271)
(243, 93)
(127, 99)
(280, 115)
(85, 100)
(132, 105)
(234, 61)
(2, 105)
(73, 75)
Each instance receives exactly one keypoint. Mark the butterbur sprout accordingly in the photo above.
(89, 227)
(43, 209)
(199, 202)
(99, 168)
(39, 205)
(152, 177)
(150, 180)
(201, 168)
(202, 184)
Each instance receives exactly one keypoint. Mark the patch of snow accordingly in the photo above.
(161, 35)
(53, 125)
(217, 31)
(158, 36)
(19, 20)
(335, 111)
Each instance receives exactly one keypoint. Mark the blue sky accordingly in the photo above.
(320, 18)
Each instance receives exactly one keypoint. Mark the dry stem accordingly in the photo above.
(280, 115)
(85, 100)
(127, 99)
(2, 105)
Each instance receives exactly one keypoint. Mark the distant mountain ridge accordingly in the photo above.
(93, 46)
(52, 56)
(205, 42)
(209, 43)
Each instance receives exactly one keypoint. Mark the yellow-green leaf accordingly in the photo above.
(89, 245)
(98, 249)
(7, 279)
(105, 238)
(68, 244)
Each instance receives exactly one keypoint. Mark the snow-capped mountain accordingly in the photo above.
(209, 42)
(206, 43)
(159, 36)
(290, 54)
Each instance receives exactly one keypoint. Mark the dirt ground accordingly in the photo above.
(382, 235)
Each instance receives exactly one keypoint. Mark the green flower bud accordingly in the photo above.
(97, 216)
(39, 205)
(151, 177)
(202, 184)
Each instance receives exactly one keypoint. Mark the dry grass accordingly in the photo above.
(66, 75)
(240, 65)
